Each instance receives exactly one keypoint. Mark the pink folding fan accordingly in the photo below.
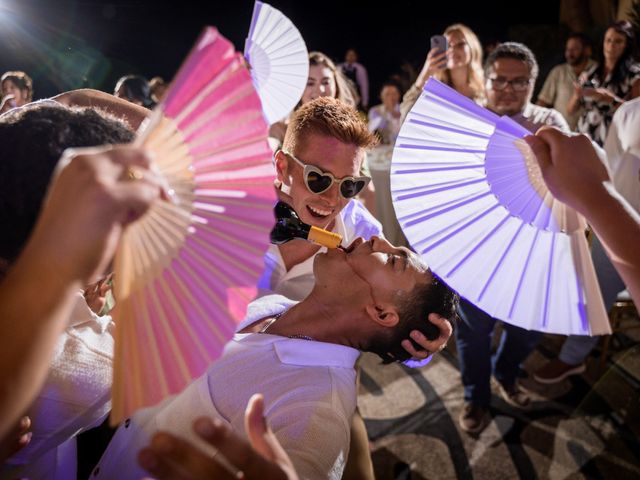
(471, 200)
(185, 272)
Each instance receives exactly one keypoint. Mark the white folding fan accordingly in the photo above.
(278, 61)
(471, 200)
(185, 272)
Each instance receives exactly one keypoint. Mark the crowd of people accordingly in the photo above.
(71, 181)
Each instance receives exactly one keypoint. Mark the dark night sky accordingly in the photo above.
(70, 44)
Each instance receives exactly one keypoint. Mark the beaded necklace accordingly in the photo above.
(266, 326)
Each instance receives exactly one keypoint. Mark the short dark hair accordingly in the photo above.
(394, 84)
(581, 37)
(136, 88)
(32, 139)
(429, 297)
(515, 50)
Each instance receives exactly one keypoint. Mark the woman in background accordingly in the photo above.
(460, 67)
(325, 80)
(615, 80)
(17, 90)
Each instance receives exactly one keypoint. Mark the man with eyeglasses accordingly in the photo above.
(318, 174)
(511, 72)
(325, 141)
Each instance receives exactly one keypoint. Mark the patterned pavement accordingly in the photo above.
(587, 426)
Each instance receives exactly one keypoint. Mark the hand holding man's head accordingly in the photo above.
(386, 292)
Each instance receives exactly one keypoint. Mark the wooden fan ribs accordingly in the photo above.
(186, 271)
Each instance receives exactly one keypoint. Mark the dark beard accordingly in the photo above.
(581, 59)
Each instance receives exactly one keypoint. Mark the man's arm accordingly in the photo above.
(589, 190)
(74, 239)
(133, 114)
(547, 95)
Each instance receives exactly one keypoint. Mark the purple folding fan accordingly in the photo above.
(470, 198)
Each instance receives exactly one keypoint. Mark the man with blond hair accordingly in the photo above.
(318, 174)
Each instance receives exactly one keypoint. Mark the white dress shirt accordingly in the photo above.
(309, 391)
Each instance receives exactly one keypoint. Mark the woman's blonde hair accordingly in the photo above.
(344, 91)
(474, 68)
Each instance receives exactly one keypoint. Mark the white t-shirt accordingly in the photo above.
(354, 221)
(309, 391)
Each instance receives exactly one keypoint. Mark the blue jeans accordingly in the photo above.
(473, 340)
(576, 347)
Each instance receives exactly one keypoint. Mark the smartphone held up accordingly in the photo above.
(439, 42)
